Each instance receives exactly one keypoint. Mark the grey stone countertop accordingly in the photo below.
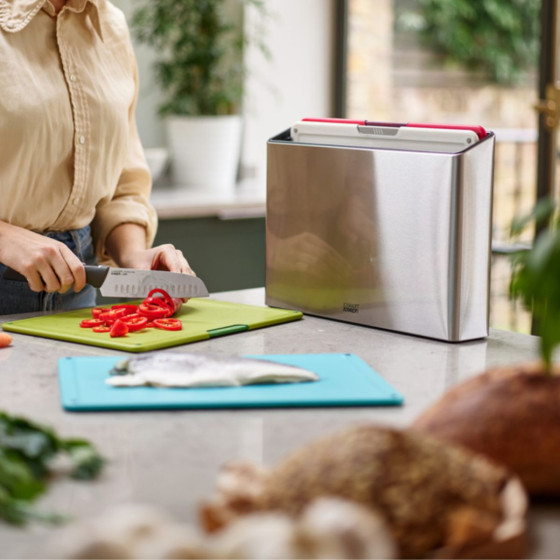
(171, 458)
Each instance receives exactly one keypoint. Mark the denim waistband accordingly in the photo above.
(17, 297)
(78, 240)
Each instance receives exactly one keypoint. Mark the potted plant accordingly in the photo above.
(199, 64)
(512, 413)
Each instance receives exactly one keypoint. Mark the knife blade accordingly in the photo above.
(132, 282)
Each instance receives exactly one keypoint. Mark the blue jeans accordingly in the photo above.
(16, 297)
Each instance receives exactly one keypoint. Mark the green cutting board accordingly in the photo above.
(202, 319)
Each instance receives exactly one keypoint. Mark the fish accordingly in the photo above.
(182, 369)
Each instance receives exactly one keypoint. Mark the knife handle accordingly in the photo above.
(95, 275)
(11, 274)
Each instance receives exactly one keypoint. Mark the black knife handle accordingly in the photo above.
(11, 274)
(95, 275)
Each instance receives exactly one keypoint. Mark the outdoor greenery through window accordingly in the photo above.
(461, 62)
(497, 38)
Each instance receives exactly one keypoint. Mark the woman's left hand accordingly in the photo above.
(126, 246)
(161, 257)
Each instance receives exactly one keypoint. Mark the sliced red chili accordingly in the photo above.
(153, 310)
(159, 301)
(89, 323)
(165, 296)
(177, 304)
(112, 314)
(174, 304)
(134, 322)
(96, 311)
(168, 324)
(118, 328)
(129, 308)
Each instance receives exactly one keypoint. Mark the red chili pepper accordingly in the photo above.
(177, 304)
(161, 302)
(165, 296)
(134, 322)
(153, 310)
(96, 311)
(129, 308)
(89, 323)
(174, 304)
(168, 324)
(112, 314)
(157, 301)
(118, 328)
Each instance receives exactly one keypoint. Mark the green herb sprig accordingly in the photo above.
(27, 451)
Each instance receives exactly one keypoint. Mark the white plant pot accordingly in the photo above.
(205, 151)
(157, 159)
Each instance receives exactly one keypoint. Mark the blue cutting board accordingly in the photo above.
(345, 380)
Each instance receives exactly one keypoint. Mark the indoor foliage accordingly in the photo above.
(199, 48)
(536, 274)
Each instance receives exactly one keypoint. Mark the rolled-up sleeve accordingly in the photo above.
(69, 141)
(131, 200)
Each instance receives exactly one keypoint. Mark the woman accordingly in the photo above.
(74, 181)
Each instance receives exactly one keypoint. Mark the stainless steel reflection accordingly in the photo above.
(398, 240)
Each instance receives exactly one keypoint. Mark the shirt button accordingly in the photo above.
(72, 77)
(82, 139)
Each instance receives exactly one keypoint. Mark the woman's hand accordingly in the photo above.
(162, 257)
(126, 245)
(47, 264)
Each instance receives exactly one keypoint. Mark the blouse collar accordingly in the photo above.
(16, 14)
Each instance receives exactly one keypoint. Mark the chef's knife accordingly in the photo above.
(131, 282)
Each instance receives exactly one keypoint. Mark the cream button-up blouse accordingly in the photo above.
(70, 154)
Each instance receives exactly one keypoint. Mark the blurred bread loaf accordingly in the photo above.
(510, 414)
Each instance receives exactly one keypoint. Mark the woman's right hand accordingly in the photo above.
(48, 265)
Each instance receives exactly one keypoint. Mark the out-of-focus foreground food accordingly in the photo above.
(366, 492)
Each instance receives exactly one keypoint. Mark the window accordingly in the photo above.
(456, 62)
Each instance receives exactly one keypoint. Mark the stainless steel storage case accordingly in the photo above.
(392, 239)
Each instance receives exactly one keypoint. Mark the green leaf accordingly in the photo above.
(17, 478)
(87, 462)
(541, 213)
(26, 453)
(19, 512)
(536, 273)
